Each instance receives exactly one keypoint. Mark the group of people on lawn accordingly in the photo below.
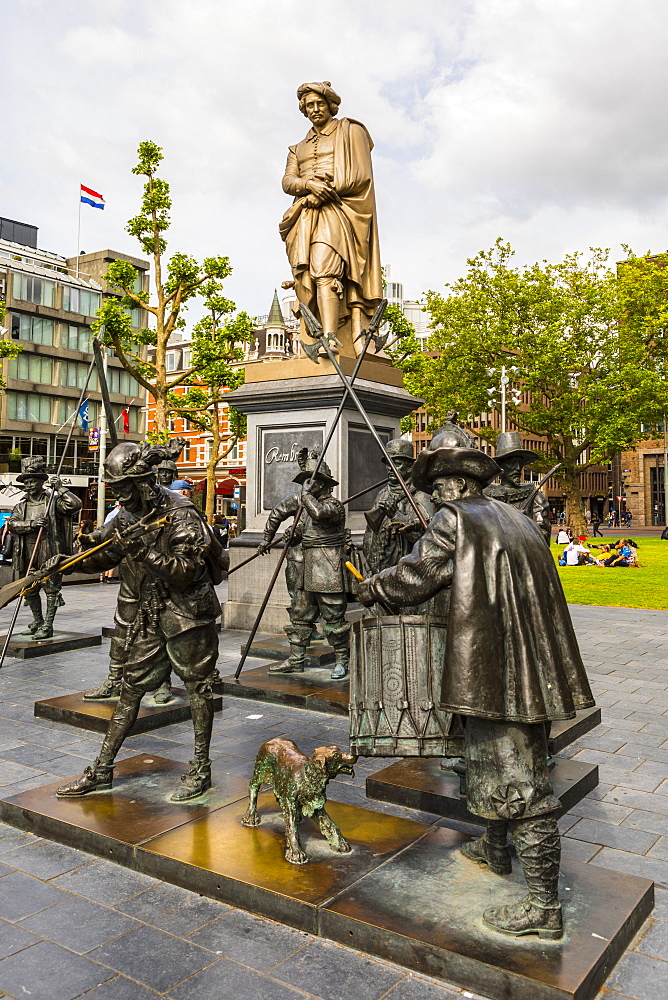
(620, 553)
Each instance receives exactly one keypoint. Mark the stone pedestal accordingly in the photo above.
(285, 414)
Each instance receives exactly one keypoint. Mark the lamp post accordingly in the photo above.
(505, 378)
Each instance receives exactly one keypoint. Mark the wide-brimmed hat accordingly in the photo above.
(398, 448)
(33, 467)
(429, 465)
(509, 445)
(307, 464)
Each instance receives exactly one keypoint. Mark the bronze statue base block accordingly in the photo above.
(423, 910)
(114, 823)
(73, 710)
(61, 642)
(313, 689)
(404, 892)
(562, 734)
(421, 783)
(277, 647)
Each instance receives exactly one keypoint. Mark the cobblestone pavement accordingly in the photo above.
(72, 925)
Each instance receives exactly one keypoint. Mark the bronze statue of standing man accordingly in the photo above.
(30, 516)
(330, 230)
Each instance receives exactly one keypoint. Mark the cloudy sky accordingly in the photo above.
(541, 121)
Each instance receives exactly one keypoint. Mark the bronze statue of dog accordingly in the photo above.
(299, 784)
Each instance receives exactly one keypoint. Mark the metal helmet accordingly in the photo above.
(398, 448)
(451, 435)
(138, 461)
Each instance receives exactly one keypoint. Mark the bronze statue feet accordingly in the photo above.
(94, 779)
(286, 668)
(339, 672)
(44, 632)
(526, 917)
(194, 782)
(163, 694)
(34, 626)
(481, 851)
(109, 689)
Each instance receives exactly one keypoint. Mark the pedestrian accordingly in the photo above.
(221, 529)
(596, 525)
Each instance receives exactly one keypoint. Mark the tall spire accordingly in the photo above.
(275, 317)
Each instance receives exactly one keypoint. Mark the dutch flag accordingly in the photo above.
(90, 197)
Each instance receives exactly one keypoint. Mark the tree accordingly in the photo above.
(178, 280)
(589, 344)
(8, 348)
(217, 352)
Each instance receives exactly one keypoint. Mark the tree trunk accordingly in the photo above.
(574, 505)
(211, 489)
(160, 420)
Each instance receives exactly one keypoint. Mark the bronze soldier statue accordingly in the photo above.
(392, 528)
(166, 609)
(511, 665)
(511, 458)
(314, 571)
(28, 516)
(166, 473)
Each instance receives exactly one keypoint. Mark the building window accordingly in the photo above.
(170, 361)
(73, 374)
(187, 354)
(122, 382)
(118, 419)
(77, 338)
(32, 289)
(80, 300)
(29, 406)
(31, 368)
(35, 328)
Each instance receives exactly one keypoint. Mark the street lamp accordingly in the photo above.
(504, 381)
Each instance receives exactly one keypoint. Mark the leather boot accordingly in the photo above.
(329, 307)
(491, 849)
(339, 639)
(538, 848)
(97, 778)
(34, 602)
(52, 605)
(299, 636)
(111, 687)
(198, 779)
(164, 693)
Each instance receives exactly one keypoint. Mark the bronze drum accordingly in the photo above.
(396, 663)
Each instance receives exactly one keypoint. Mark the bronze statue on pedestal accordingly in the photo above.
(166, 612)
(56, 538)
(511, 665)
(511, 458)
(330, 230)
(314, 571)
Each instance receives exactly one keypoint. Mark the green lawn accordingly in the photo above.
(646, 587)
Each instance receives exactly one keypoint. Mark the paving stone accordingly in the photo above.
(153, 958)
(228, 979)
(651, 822)
(578, 850)
(641, 977)
(250, 940)
(334, 973)
(105, 882)
(412, 988)
(632, 864)
(22, 895)
(623, 838)
(605, 811)
(638, 800)
(655, 942)
(29, 755)
(79, 925)
(13, 938)
(121, 988)
(173, 909)
(47, 972)
(46, 859)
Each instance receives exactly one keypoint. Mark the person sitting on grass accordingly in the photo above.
(622, 555)
(577, 555)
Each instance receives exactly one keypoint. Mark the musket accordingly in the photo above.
(278, 541)
(371, 332)
(526, 505)
(321, 340)
(21, 587)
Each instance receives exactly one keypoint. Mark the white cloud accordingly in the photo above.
(538, 120)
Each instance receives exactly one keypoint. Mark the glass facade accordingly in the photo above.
(80, 300)
(32, 289)
(38, 329)
(32, 368)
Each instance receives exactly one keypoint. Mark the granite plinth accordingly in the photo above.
(277, 647)
(563, 733)
(113, 823)
(313, 689)
(61, 642)
(403, 893)
(74, 710)
(423, 910)
(420, 783)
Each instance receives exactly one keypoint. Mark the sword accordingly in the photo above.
(526, 506)
(323, 340)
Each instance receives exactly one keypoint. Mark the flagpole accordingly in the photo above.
(79, 233)
(102, 453)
